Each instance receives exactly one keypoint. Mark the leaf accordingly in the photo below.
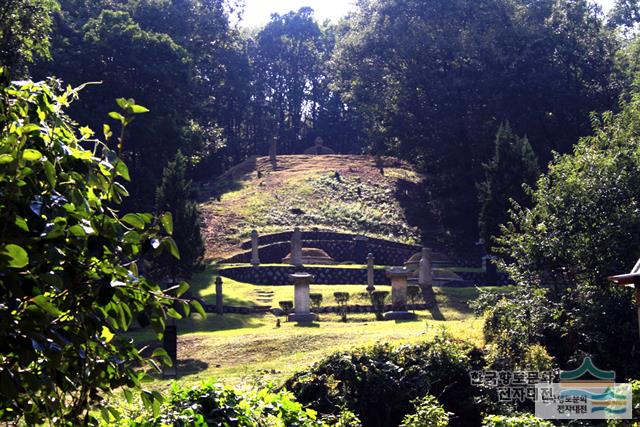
(15, 256)
(122, 170)
(138, 109)
(50, 173)
(116, 116)
(170, 244)
(21, 223)
(6, 158)
(171, 312)
(128, 395)
(182, 288)
(31, 155)
(46, 305)
(198, 308)
(106, 334)
(134, 220)
(167, 222)
(122, 103)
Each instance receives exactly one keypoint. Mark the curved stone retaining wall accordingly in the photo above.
(384, 253)
(276, 275)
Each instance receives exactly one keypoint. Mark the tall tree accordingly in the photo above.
(24, 31)
(513, 166)
(174, 195)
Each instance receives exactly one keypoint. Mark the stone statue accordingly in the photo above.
(318, 148)
(255, 255)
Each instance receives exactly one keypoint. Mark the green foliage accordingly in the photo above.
(316, 300)
(174, 195)
(69, 262)
(213, 404)
(513, 166)
(513, 323)
(428, 413)
(442, 113)
(378, 300)
(286, 306)
(525, 420)
(342, 298)
(380, 383)
(581, 228)
(24, 31)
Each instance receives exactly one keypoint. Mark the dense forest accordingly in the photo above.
(431, 82)
(522, 115)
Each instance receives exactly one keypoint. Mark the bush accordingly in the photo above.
(316, 300)
(70, 262)
(380, 383)
(286, 306)
(525, 420)
(378, 299)
(216, 405)
(428, 413)
(342, 298)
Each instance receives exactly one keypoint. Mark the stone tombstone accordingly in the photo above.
(425, 275)
(399, 276)
(301, 310)
(170, 345)
(370, 274)
(296, 248)
(255, 255)
(219, 306)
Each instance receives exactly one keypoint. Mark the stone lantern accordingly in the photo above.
(399, 276)
(301, 313)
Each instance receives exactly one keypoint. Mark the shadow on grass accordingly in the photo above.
(191, 366)
(307, 325)
(215, 322)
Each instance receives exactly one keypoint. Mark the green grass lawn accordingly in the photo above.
(246, 349)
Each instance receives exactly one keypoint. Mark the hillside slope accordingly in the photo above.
(378, 197)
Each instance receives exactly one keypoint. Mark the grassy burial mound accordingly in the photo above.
(377, 197)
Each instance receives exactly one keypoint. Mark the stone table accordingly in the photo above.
(399, 276)
(301, 313)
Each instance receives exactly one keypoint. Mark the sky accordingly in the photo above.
(257, 12)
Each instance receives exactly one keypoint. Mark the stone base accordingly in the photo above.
(303, 318)
(399, 315)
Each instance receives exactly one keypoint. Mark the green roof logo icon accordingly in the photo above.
(587, 368)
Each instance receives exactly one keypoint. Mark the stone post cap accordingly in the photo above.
(398, 272)
(218, 280)
(370, 256)
(254, 232)
(301, 277)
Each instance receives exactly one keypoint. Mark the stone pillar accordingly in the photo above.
(370, 274)
(170, 345)
(425, 275)
(399, 276)
(296, 248)
(219, 306)
(273, 148)
(301, 312)
(255, 256)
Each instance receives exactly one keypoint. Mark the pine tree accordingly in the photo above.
(174, 194)
(513, 165)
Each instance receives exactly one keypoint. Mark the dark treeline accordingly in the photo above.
(430, 81)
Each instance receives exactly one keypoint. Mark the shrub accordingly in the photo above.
(378, 299)
(286, 306)
(216, 405)
(525, 420)
(342, 298)
(316, 300)
(428, 413)
(69, 262)
(380, 383)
